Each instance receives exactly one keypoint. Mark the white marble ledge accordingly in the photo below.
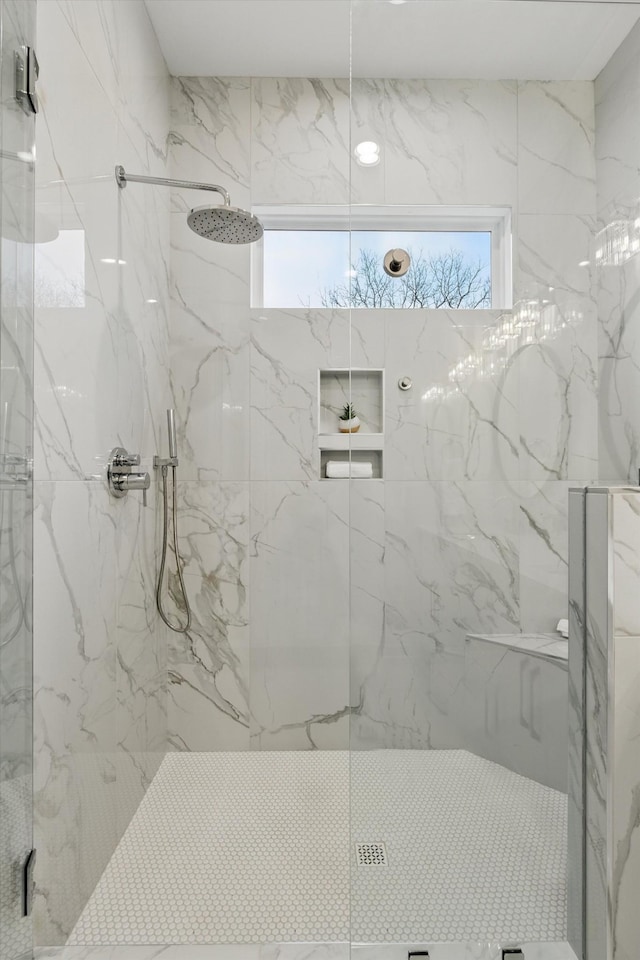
(306, 951)
(462, 951)
(546, 645)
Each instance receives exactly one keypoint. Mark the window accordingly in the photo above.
(59, 271)
(332, 257)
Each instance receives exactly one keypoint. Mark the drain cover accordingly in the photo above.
(371, 855)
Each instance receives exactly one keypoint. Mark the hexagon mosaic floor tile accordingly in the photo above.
(284, 846)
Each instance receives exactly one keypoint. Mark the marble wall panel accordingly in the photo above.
(543, 554)
(210, 135)
(141, 656)
(597, 724)
(451, 141)
(101, 320)
(516, 711)
(450, 568)
(625, 767)
(300, 146)
(17, 181)
(299, 570)
(288, 348)
(448, 426)
(576, 780)
(75, 705)
(209, 667)
(617, 143)
(618, 187)
(557, 411)
(556, 147)
(287, 141)
(210, 141)
(609, 726)
(619, 371)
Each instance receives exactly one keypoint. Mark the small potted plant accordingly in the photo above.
(349, 422)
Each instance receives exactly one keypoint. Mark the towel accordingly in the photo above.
(339, 470)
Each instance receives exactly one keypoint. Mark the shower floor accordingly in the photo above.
(262, 847)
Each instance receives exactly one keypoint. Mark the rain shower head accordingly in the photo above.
(225, 224)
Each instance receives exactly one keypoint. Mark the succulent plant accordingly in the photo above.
(348, 413)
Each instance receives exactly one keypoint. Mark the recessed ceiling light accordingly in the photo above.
(397, 3)
(367, 153)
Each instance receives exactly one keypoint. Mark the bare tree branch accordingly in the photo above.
(442, 280)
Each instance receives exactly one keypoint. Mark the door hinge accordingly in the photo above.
(27, 71)
(28, 883)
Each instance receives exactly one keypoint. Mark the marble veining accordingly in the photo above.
(515, 705)
(100, 651)
(548, 646)
(209, 666)
(245, 386)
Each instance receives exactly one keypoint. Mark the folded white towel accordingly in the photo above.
(339, 470)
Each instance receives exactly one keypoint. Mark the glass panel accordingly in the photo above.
(460, 746)
(17, 132)
(361, 738)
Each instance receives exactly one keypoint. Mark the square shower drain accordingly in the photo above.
(371, 855)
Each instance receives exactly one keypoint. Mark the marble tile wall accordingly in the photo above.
(607, 791)
(576, 779)
(17, 184)
(618, 184)
(101, 380)
(624, 762)
(516, 710)
(468, 531)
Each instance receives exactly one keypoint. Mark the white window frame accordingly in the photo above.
(493, 220)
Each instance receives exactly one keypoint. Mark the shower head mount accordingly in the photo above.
(223, 223)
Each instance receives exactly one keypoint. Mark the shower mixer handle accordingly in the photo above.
(133, 481)
(120, 477)
(127, 459)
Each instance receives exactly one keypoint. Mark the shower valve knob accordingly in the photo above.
(120, 477)
(125, 459)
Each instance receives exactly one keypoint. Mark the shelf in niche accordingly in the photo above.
(351, 441)
(357, 456)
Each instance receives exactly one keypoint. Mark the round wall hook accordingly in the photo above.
(405, 383)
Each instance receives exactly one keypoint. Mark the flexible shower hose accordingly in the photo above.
(165, 536)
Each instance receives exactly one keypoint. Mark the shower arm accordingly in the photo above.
(122, 179)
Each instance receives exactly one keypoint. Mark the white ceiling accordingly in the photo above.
(490, 39)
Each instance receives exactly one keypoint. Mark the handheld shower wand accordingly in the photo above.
(164, 465)
(171, 427)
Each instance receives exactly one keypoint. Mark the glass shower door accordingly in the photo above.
(17, 156)
(476, 421)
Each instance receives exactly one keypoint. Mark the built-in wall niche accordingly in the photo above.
(351, 459)
(364, 389)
